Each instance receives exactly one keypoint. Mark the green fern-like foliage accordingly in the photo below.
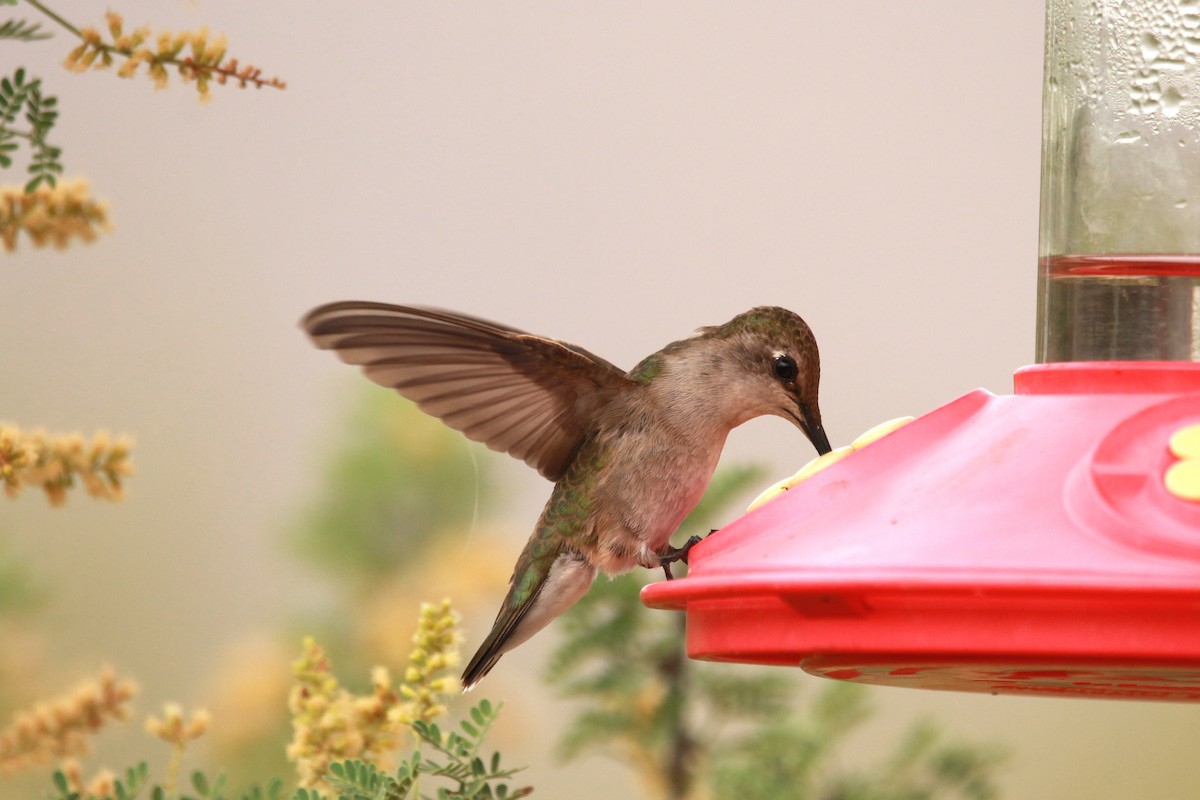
(457, 758)
(358, 779)
(22, 31)
(44, 165)
(18, 94)
(450, 759)
(14, 92)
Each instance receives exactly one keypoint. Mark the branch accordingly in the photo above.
(196, 57)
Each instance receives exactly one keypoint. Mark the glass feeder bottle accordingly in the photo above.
(1119, 266)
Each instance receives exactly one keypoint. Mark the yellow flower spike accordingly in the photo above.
(331, 723)
(201, 719)
(114, 23)
(72, 62)
(159, 73)
(198, 40)
(173, 730)
(214, 53)
(48, 214)
(59, 728)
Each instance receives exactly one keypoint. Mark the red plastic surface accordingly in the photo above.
(1012, 544)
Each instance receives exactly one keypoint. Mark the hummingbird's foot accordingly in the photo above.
(673, 554)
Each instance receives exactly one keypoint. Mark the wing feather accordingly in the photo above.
(529, 396)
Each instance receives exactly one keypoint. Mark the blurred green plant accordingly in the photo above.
(20, 592)
(699, 730)
(396, 481)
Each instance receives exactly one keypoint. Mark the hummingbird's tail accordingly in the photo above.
(529, 606)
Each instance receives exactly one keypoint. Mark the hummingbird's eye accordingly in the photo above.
(785, 368)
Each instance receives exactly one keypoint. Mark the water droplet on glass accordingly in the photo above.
(1145, 90)
(1181, 203)
(1172, 101)
(1150, 46)
(1170, 64)
(1128, 137)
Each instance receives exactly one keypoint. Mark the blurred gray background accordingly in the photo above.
(614, 174)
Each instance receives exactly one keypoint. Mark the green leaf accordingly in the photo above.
(14, 95)
(60, 781)
(200, 783)
(37, 181)
(22, 31)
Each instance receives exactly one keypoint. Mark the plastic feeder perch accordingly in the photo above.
(1046, 542)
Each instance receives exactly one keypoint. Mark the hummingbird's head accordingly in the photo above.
(780, 368)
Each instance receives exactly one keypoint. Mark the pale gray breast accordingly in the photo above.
(653, 482)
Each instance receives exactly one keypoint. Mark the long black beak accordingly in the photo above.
(814, 431)
(816, 435)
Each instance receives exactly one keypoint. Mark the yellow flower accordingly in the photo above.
(203, 63)
(330, 723)
(51, 215)
(173, 730)
(60, 728)
(56, 462)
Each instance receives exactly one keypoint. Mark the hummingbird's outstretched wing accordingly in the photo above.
(531, 397)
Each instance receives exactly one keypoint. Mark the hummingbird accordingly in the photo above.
(630, 453)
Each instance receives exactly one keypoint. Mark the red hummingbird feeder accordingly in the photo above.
(1045, 542)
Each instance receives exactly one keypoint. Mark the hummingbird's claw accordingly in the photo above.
(673, 554)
